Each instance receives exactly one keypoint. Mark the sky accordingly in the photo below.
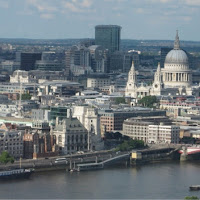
(62, 19)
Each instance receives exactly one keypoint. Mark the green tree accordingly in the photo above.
(6, 158)
(191, 198)
(148, 101)
(130, 144)
(25, 96)
(119, 100)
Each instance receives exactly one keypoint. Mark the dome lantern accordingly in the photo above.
(177, 42)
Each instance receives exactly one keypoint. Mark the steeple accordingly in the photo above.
(131, 86)
(157, 75)
(158, 69)
(177, 42)
(132, 77)
(132, 66)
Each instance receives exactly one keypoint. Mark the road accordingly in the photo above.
(74, 158)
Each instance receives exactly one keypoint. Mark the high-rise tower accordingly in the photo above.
(108, 36)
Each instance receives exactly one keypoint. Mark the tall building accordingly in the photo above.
(163, 54)
(108, 36)
(98, 58)
(77, 60)
(28, 60)
(120, 61)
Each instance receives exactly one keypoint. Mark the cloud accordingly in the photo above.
(72, 7)
(140, 10)
(47, 16)
(192, 2)
(4, 4)
(86, 3)
(42, 6)
(78, 6)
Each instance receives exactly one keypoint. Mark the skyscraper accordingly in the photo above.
(108, 36)
(28, 60)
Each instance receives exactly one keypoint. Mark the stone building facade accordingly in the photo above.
(71, 135)
(174, 79)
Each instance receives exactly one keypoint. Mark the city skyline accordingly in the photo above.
(62, 19)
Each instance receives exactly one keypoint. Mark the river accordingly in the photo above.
(152, 181)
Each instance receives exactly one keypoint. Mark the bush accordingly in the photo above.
(148, 101)
(130, 144)
(6, 158)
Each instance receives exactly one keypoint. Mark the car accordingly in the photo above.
(46, 158)
(80, 152)
(118, 152)
(61, 160)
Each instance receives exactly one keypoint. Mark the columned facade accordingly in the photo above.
(174, 79)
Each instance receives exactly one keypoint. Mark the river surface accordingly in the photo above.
(152, 181)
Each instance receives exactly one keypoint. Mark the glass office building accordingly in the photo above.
(108, 36)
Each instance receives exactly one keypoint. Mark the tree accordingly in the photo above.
(148, 101)
(119, 100)
(6, 158)
(191, 198)
(25, 96)
(130, 144)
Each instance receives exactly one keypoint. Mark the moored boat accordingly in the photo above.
(195, 187)
(15, 174)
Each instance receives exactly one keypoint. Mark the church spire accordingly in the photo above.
(133, 66)
(158, 69)
(177, 42)
(132, 77)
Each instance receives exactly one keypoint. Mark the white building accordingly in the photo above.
(88, 116)
(71, 135)
(163, 134)
(20, 76)
(150, 132)
(98, 81)
(174, 79)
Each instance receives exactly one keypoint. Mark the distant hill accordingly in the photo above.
(126, 44)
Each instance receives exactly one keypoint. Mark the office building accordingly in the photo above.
(163, 53)
(28, 60)
(108, 36)
(151, 130)
(98, 58)
(121, 61)
(98, 80)
(112, 120)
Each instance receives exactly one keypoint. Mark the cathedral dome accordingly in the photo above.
(176, 72)
(176, 59)
(176, 56)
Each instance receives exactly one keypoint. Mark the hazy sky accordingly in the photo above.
(140, 19)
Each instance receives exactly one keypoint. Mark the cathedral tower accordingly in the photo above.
(131, 87)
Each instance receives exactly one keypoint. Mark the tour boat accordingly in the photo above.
(15, 174)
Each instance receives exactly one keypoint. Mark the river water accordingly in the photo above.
(152, 181)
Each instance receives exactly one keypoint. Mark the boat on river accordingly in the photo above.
(87, 167)
(15, 174)
(195, 187)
